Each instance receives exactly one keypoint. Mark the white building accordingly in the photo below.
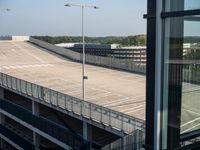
(67, 45)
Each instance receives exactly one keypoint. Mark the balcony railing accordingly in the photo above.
(133, 141)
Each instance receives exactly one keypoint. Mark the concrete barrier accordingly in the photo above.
(59, 50)
(122, 64)
(5, 38)
(20, 38)
(15, 38)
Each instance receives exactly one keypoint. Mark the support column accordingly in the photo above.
(2, 117)
(87, 131)
(36, 137)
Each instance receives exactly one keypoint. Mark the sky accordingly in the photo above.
(50, 17)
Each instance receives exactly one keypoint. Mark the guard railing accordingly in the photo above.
(133, 141)
(97, 113)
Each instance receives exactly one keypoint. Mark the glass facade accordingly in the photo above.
(180, 5)
(173, 75)
(180, 102)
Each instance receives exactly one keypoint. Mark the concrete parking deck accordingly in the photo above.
(116, 90)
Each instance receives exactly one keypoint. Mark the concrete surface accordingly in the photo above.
(117, 90)
(190, 115)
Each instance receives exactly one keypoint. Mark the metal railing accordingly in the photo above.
(190, 138)
(191, 73)
(97, 113)
(123, 64)
(133, 141)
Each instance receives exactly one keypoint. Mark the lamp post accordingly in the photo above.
(5, 9)
(84, 77)
(86, 128)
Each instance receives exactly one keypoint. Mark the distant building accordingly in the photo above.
(97, 46)
(137, 54)
(66, 45)
(88, 45)
(134, 47)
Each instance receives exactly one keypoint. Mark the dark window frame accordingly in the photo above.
(150, 72)
(183, 13)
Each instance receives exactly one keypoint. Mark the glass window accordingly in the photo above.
(190, 114)
(192, 4)
(181, 78)
(179, 5)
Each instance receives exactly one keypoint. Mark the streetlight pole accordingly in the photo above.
(83, 66)
(84, 77)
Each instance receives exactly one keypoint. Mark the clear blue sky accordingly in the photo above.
(50, 17)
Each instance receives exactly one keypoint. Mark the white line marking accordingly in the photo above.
(29, 53)
(189, 129)
(192, 111)
(190, 122)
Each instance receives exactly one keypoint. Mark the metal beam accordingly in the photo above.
(61, 144)
(10, 142)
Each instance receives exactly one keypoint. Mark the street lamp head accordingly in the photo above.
(5, 9)
(67, 5)
(95, 7)
(83, 6)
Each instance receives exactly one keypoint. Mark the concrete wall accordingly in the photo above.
(59, 50)
(15, 38)
(20, 38)
(5, 37)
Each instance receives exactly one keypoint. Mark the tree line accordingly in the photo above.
(137, 40)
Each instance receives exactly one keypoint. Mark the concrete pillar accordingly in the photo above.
(36, 137)
(87, 131)
(35, 108)
(2, 117)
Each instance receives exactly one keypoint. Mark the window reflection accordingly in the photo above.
(181, 82)
(190, 114)
(179, 5)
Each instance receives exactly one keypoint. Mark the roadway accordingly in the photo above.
(117, 90)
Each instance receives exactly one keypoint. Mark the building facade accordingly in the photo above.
(172, 115)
